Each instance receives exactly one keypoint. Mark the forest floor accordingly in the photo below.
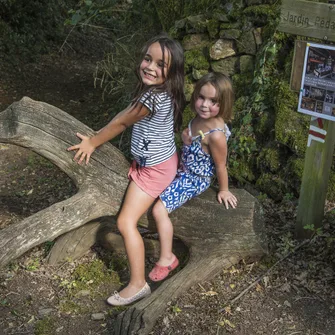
(294, 296)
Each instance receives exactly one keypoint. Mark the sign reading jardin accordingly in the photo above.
(317, 94)
(306, 18)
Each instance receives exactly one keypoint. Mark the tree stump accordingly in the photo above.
(217, 238)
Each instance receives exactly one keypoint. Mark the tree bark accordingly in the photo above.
(216, 237)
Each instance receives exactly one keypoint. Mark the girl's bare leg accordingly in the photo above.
(165, 232)
(135, 204)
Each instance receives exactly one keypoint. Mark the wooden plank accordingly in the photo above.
(306, 18)
(318, 161)
(297, 65)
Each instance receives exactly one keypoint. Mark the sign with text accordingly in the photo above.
(317, 93)
(306, 18)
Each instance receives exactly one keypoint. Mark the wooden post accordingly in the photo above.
(318, 161)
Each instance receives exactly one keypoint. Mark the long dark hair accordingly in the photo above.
(174, 78)
(224, 93)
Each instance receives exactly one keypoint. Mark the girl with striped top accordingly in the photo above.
(155, 113)
(204, 153)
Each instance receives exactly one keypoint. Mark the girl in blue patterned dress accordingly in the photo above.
(204, 153)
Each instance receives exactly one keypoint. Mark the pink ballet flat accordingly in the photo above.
(160, 272)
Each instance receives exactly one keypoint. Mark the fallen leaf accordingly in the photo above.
(227, 309)
(259, 288)
(227, 322)
(266, 281)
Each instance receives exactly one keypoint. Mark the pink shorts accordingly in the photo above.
(153, 180)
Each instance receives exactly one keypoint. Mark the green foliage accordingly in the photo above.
(273, 185)
(269, 159)
(315, 231)
(170, 11)
(293, 133)
(120, 18)
(262, 197)
(33, 264)
(331, 186)
(45, 326)
(286, 244)
(92, 12)
(69, 306)
(115, 73)
(28, 27)
(262, 14)
(212, 28)
(175, 309)
(92, 274)
(87, 276)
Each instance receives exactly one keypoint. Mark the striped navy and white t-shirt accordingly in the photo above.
(152, 140)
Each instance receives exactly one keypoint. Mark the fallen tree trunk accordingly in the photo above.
(216, 237)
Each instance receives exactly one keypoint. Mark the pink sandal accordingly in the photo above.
(160, 272)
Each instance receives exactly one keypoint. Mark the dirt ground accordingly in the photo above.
(295, 296)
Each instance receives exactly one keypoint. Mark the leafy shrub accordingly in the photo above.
(28, 27)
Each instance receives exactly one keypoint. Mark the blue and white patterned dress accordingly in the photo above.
(194, 174)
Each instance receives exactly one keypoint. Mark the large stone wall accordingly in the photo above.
(231, 40)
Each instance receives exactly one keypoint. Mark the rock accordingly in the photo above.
(83, 293)
(195, 41)
(226, 66)
(196, 24)
(221, 17)
(247, 44)
(258, 36)
(222, 49)
(246, 63)
(197, 74)
(98, 316)
(232, 34)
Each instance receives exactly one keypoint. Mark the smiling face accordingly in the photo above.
(154, 68)
(206, 105)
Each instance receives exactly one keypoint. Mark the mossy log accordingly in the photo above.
(216, 237)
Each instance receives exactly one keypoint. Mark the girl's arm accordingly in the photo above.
(119, 123)
(218, 148)
(185, 136)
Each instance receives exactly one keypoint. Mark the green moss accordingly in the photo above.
(68, 306)
(45, 326)
(91, 275)
(291, 127)
(188, 115)
(213, 28)
(331, 187)
(241, 170)
(296, 166)
(242, 83)
(293, 172)
(272, 185)
(269, 159)
(188, 88)
(195, 59)
(197, 74)
(227, 26)
(264, 125)
(261, 13)
(240, 104)
(192, 7)
(119, 262)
